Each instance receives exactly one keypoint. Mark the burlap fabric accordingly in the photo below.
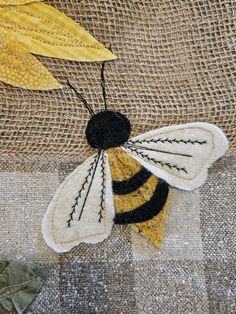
(176, 63)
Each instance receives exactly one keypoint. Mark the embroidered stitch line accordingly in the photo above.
(9, 292)
(80, 191)
(103, 233)
(210, 153)
(52, 220)
(162, 163)
(90, 184)
(103, 175)
(48, 42)
(180, 141)
(156, 150)
(22, 28)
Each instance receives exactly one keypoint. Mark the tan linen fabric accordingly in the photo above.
(176, 63)
(24, 197)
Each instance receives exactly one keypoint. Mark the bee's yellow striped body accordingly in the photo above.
(139, 197)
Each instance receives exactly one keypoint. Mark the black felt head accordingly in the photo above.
(107, 129)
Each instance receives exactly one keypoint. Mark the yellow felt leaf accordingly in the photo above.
(14, 2)
(19, 68)
(46, 31)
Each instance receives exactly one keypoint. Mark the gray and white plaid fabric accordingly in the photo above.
(193, 272)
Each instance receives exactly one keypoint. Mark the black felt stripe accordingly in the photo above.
(132, 184)
(148, 210)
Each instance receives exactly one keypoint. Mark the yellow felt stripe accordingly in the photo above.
(137, 198)
(122, 166)
(14, 2)
(153, 229)
(19, 68)
(46, 31)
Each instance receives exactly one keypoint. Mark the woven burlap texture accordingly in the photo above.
(176, 64)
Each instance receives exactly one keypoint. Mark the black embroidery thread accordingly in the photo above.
(80, 191)
(90, 184)
(156, 150)
(170, 141)
(103, 175)
(103, 84)
(84, 101)
(162, 163)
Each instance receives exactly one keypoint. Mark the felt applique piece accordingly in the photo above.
(127, 180)
(20, 282)
(19, 68)
(43, 30)
(15, 2)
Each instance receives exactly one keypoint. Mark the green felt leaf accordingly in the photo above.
(19, 284)
(3, 265)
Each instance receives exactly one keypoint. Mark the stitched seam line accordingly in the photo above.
(55, 26)
(74, 240)
(213, 148)
(102, 208)
(162, 163)
(91, 168)
(193, 142)
(17, 285)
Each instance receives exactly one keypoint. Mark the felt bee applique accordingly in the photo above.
(127, 180)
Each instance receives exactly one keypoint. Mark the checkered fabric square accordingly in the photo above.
(193, 272)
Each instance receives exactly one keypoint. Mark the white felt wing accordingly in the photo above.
(179, 154)
(82, 209)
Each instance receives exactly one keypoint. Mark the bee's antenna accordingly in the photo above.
(103, 83)
(86, 105)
